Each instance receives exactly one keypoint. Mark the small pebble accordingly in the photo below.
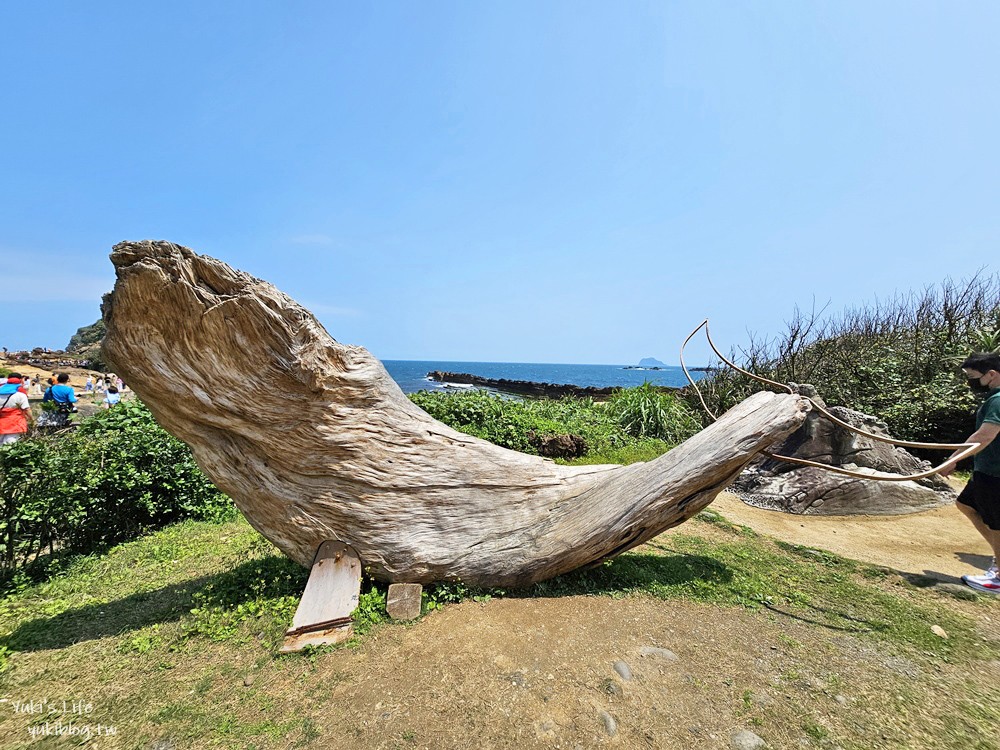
(248, 680)
(610, 725)
(939, 631)
(840, 699)
(659, 653)
(744, 739)
(623, 670)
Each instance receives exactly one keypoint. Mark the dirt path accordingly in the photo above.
(940, 543)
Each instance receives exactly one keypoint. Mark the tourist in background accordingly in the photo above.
(113, 397)
(16, 380)
(15, 411)
(62, 393)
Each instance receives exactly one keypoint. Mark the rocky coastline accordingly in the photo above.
(524, 387)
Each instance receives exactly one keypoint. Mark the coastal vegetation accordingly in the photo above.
(634, 424)
(896, 359)
(117, 476)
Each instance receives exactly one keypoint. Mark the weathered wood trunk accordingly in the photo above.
(314, 441)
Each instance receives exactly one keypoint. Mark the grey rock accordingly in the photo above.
(805, 489)
(744, 739)
(623, 670)
(659, 653)
(840, 699)
(248, 680)
(610, 725)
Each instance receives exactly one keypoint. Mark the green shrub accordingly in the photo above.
(650, 412)
(119, 475)
(607, 428)
(896, 359)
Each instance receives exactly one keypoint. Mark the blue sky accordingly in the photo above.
(520, 181)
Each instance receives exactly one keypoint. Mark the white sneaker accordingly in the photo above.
(989, 583)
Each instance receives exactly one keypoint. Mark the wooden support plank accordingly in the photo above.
(403, 601)
(331, 594)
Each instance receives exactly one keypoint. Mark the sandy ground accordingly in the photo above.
(940, 543)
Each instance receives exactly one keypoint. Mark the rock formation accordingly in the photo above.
(314, 441)
(524, 387)
(804, 489)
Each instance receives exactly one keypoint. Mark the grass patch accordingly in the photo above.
(645, 450)
(225, 583)
(172, 630)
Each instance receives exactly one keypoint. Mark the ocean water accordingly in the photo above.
(411, 375)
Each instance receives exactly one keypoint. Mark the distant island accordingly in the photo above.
(646, 363)
(651, 363)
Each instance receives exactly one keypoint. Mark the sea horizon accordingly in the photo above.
(559, 364)
(411, 374)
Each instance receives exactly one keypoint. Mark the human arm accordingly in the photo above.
(984, 436)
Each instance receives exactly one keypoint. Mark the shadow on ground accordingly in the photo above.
(278, 576)
(978, 563)
(632, 572)
(269, 578)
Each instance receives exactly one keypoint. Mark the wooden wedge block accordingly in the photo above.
(403, 601)
(323, 616)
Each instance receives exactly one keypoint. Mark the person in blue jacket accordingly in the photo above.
(62, 393)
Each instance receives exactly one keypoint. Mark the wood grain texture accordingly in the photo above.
(313, 439)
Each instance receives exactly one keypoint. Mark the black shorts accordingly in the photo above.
(982, 494)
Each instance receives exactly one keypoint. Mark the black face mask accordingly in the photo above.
(978, 388)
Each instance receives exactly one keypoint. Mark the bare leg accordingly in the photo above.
(991, 536)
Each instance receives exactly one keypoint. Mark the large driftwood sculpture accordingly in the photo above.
(314, 441)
